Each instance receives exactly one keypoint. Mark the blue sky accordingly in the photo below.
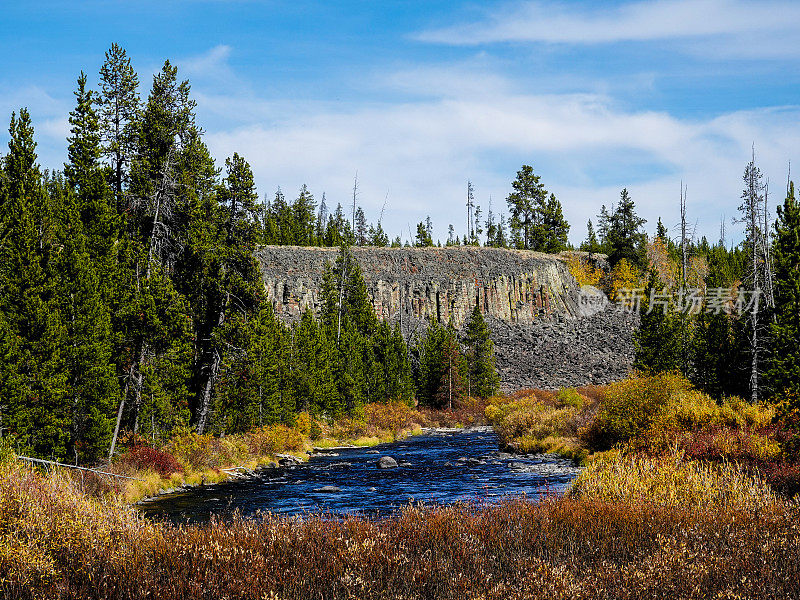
(419, 97)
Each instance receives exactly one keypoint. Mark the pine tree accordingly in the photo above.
(391, 366)
(658, 339)
(313, 357)
(92, 386)
(500, 240)
(378, 237)
(303, 211)
(424, 234)
(361, 227)
(625, 238)
(525, 204)
(784, 365)
(322, 220)
(441, 367)
(33, 336)
(661, 232)
(119, 113)
(88, 180)
(554, 228)
(482, 377)
(537, 220)
(759, 276)
(338, 231)
(711, 345)
(168, 167)
(218, 273)
(590, 244)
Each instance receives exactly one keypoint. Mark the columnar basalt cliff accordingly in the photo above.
(545, 332)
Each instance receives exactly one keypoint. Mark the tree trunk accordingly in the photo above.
(119, 420)
(138, 385)
(205, 397)
(213, 371)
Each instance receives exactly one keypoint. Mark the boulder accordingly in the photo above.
(387, 462)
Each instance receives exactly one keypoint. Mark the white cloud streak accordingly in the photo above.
(748, 28)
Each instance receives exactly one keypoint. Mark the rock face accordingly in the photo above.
(548, 331)
(515, 286)
(564, 352)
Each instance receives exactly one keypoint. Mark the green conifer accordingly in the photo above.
(783, 375)
(482, 377)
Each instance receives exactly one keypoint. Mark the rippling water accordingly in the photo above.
(437, 467)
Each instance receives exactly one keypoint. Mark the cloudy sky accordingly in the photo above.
(419, 97)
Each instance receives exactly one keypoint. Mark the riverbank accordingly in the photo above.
(187, 459)
(441, 466)
(663, 509)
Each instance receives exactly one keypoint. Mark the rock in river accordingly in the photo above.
(387, 462)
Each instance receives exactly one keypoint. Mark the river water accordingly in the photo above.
(436, 467)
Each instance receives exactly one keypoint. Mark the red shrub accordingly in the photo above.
(143, 457)
(784, 477)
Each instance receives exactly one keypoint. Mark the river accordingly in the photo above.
(436, 467)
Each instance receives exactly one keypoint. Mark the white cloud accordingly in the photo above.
(585, 147)
(212, 64)
(468, 121)
(735, 25)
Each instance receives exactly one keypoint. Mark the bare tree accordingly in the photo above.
(470, 198)
(755, 215)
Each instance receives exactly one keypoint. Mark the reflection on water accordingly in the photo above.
(438, 467)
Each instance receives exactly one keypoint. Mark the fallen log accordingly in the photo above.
(58, 464)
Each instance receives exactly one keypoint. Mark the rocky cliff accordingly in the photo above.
(547, 332)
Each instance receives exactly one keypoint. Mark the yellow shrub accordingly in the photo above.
(673, 481)
(623, 276)
(390, 416)
(764, 448)
(631, 406)
(689, 410)
(268, 441)
(745, 413)
(192, 450)
(583, 271)
(303, 422)
(570, 397)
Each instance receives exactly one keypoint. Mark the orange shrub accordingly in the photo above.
(390, 416)
(270, 440)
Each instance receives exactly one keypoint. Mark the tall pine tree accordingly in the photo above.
(784, 366)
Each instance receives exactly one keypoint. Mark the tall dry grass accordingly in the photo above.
(673, 480)
(56, 543)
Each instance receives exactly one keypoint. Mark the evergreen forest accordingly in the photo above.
(131, 303)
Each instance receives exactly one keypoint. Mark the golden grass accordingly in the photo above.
(542, 421)
(672, 480)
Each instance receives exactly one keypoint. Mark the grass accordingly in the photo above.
(603, 541)
(673, 480)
